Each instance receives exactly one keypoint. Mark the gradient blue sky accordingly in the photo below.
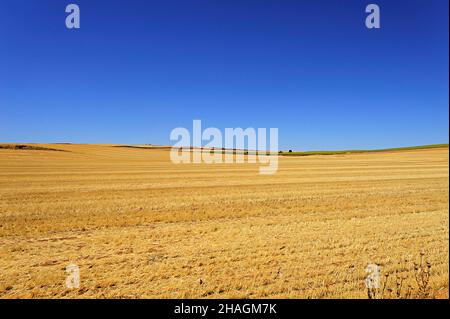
(137, 69)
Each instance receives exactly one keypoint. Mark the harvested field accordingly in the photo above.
(139, 226)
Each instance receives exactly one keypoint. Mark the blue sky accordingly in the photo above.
(137, 69)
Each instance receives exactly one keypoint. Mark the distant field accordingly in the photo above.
(139, 226)
(409, 148)
(26, 147)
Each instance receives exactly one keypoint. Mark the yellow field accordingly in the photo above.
(139, 226)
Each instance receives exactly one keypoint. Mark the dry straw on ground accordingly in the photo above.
(139, 226)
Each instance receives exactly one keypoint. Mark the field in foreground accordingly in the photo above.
(139, 226)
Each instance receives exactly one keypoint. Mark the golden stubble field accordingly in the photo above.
(139, 226)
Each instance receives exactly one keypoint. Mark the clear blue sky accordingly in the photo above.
(137, 69)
